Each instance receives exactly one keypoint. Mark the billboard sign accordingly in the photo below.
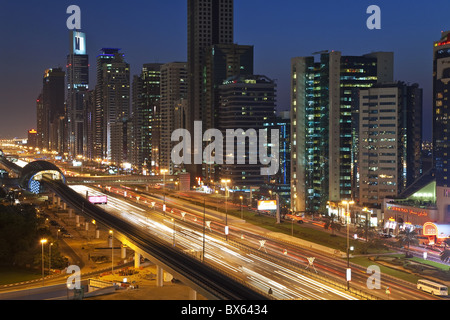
(267, 205)
(98, 199)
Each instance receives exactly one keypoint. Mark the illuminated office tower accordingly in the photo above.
(112, 98)
(441, 110)
(222, 62)
(173, 92)
(390, 137)
(321, 120)
(40, 124)
(247, 102)
(53, 111)
(77, 87)
(146, 118)
(209, 22)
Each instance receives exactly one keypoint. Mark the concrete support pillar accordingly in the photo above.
(86, 225)
(159, 276)
(192, 294)
(70, 213)
(123, 252)
(64, 206)
(77, 220)
(97, 233)
(58, 201)
(137, 260)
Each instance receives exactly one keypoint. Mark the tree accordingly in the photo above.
(331, 224)
(407, 237)
(445, 256)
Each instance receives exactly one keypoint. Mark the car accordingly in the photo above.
(67, 235)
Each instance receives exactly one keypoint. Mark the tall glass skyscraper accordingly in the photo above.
(321, 115)
(209, 22)
(441, 110)
(77, 87)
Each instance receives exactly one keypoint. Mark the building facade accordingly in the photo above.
(209, 22)
(321, 115)
(247, 103)
(53, 110)
(77, 87)
(146, 95)
(390, 138)
(174, 90)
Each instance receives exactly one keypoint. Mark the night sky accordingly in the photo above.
(35, 37)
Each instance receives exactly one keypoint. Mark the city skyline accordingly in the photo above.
(278, 33)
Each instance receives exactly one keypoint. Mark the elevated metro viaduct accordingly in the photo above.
(42, 176)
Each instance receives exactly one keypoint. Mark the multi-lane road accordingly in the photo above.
(268, 264)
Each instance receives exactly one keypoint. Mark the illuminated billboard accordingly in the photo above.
(98, 199)
(78, 42)
(267, 205)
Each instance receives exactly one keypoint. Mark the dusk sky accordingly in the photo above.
(35, 37)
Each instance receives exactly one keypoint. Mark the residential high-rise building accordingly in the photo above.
(209, 22)
(173, 91)
(321, 119)
(53, 110)
(146, 118)
(40, 123)
(247, 103)
(77, 86)
(32, 138)
(222, 62)
(112, 99)
(441, 110)
(390, 137)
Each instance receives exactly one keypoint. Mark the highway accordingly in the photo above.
(217, 284)
(256, 271)
(295, 257)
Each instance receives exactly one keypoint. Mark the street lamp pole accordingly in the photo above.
(163, 171)
(242, 213)
(226, 181)
(42, 243)
(347, 216)
(112, 251)
(204, 228)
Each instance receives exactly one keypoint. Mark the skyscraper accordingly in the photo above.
(53, 110)
(173, 92)
(209, 22)
(146, 117)
(441, 110)
(321, 115)
(390, 136)
(112, 98)
(77, 86)
(222, 61)
(248, 103)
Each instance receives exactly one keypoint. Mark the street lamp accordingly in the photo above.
(347, 214)
(242, 214)
(42, 243)
(164, 171)
(112, 251)
(50, 257)
(226, 181)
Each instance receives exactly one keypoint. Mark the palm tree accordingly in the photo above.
(445, 256)
(407, 237)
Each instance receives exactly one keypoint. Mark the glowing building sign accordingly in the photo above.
(78, 43)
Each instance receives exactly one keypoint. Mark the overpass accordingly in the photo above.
(199, 276)
(118, 180)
